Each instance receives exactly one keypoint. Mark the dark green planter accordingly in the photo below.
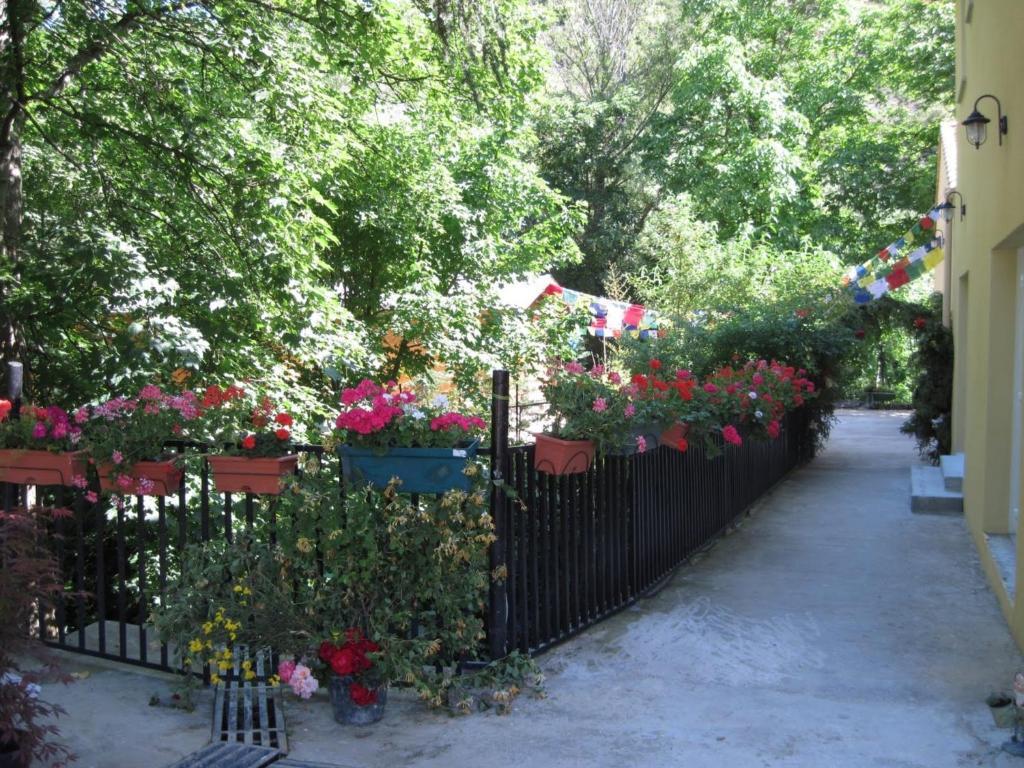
(422, 470)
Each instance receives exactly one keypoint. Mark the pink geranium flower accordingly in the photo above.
(600, 405)
(730, 435)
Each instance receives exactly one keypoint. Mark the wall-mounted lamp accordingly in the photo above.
(947, 207)
(976, 123)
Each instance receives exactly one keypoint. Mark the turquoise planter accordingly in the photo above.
(423, 470)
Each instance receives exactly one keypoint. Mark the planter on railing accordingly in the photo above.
(562, 457)
(671, 436)
(422, 470)
(26, 467)
(651, 438)
(244, 474)
(165, 477)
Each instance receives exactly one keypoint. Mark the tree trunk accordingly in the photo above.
(13, 17)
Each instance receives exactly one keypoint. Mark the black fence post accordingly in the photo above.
(15, 383)
(497, 618)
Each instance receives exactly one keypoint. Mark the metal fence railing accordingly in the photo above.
(575, 548)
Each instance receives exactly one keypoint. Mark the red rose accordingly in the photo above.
(345, 661)
(655, 364)
(361, 695)
(283, 419)
(282, 434)
(249, 442)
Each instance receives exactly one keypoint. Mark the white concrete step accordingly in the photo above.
(953, 471)
(928, 494)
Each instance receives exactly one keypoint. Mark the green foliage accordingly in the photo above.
(931, 422)
(413, 578)
(798, 127)
(681, 266)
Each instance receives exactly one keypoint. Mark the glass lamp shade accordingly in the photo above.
(976, 126)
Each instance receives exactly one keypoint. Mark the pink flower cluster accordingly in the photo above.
(151, 399)
(299, 677)
(453, 420)
(53, 423)
(371, 408)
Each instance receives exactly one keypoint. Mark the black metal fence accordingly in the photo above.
(578, 548)
(574, 548)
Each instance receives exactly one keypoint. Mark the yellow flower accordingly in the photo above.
(214, 678)
(207, 628)
(195, 646)
(223, 666)
(238, 587)
(304, 545)
(247, 665)
(232, 635)
(250, 675)
(274, 680)
(246, 591)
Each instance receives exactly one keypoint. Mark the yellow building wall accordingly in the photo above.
(983, 276)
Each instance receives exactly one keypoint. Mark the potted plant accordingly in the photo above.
(253, 440)
(29, 583)
(591, 412)
(358, 694)
(126, 440)
(668, 404)
(386, 433)
(41, 447)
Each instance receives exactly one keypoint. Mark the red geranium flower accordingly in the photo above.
(283, 419)
(682, 445)
(655, 364)
(282, 433)
(920, 323)
(249, 442)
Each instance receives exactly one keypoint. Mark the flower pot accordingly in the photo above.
(165, 476)
(562, 457)
(422, 470)
(243, 474)
(1004, 713)
(346, 711)
(671, 436)
(26, 467)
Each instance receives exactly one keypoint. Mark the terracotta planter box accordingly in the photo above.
(562, 457)
(242, 474)
(25, 467)
(671, 436)
(165, 476)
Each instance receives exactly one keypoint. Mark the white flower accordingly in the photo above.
(752, 395)
(441, 401)
(759, 414)
(418, 414)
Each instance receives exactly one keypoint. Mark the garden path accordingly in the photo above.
(832, 628)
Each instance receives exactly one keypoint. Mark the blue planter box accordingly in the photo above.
(423, 470)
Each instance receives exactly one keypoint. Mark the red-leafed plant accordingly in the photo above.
(29, 585)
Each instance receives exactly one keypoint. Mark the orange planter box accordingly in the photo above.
(562, 457)
(241, 474)
(25, 467)
(165, 476)
(671, 436)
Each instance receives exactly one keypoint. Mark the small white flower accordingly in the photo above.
(759, 414)
(441, 401)
(418, 414)
(752, 395)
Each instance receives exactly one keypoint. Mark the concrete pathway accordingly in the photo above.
(833, 628)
